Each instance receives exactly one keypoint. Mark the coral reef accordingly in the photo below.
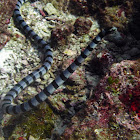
(82, 26)
(59, 34)
(100, 64)
(106, 113)
(4, 38)
(112, 110)
(108, 12)
(38, 123)
(6, 6)
(113, 13)
(78, 7)
(131, 99)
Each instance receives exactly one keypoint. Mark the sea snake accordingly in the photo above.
(7, 106)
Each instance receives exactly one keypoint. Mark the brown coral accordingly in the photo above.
(6, 11)
(78, 7)
(108, 12)
(59, 34)
(82, 26)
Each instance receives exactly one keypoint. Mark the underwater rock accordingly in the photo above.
(104, 116)
(117, 38)
(99, 65)
(134, 51)
(82, 26)
(6, 8)
(112, 13)
(4, 38)
(109, 114)
(37, 124)
(50, 9)
(60, 34)
(126, 56)
(78, 7)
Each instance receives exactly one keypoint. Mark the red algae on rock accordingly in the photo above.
(113, 110)
(131, 99)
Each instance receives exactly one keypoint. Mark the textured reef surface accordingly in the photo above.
(101, 99)
(113, 111)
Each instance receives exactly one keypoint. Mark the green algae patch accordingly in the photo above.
(111, 80)
(39, 123)
(113, 85)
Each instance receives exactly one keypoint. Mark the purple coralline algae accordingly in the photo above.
(113, 111)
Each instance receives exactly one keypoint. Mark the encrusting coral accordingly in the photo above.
(113, 109)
